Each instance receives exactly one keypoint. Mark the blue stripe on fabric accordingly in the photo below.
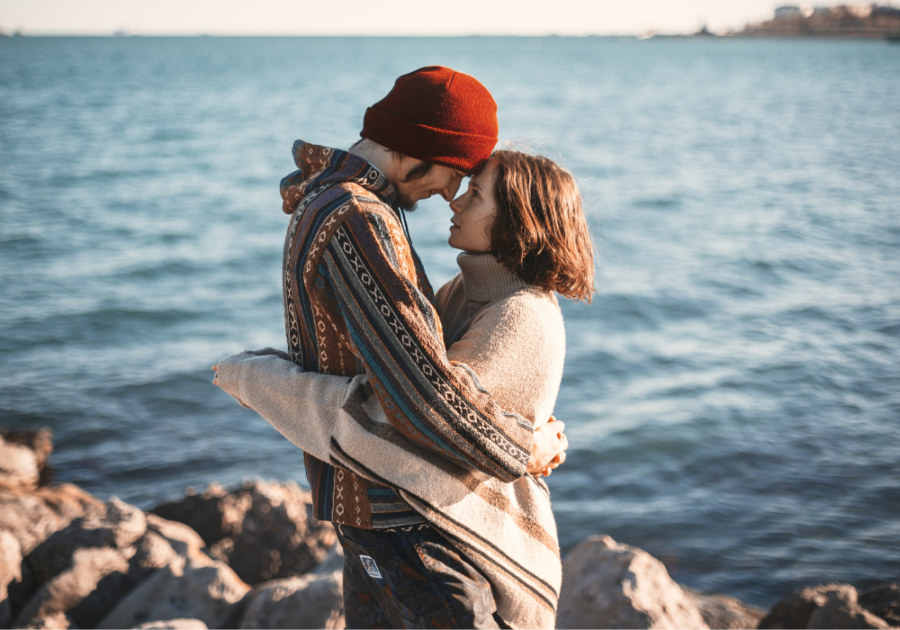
(328, 504)
(381, 492)
(397, 398)
(372, 365)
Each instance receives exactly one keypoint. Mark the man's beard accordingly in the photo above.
(407, 204)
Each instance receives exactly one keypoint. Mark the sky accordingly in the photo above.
(384, 17)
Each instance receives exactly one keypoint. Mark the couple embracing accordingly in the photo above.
(425, 418)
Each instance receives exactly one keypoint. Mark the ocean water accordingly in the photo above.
(732, 394)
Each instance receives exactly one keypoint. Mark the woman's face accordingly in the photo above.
(474, 212)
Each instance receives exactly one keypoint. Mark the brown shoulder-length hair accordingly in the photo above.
(540, 232)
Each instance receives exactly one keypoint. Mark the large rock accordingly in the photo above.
(20, 591)
(609, 585)
(150, 553)
(23, 458)
(18, 465)
(117, 527)
(33, 515)
(841, 609)
(883, 601)
(314, 600)
(173, 624)
(824, 606)
(182, 538)
(262, 530)
(56, 621)
(40, 441)
(203, 513)
(94, 578)
(181, 590)
(70, 588)
(724, 611)
(10, 571)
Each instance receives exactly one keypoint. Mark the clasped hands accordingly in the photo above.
(549, 448)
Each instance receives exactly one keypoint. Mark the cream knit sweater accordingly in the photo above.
(511, 336)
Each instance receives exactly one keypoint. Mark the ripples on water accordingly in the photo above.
(732, 394)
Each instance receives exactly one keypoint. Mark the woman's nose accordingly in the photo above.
(454, 205)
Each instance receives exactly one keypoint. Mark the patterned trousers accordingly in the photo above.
(412, 579)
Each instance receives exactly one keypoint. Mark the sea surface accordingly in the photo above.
(732, 394)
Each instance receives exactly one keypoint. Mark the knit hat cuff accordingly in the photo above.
(455, 149)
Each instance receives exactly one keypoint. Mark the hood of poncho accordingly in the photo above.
(320, 167)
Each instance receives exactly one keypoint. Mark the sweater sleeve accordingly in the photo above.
(397, 337)
(303, 406)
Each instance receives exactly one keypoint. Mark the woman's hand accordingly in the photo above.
(548, 451)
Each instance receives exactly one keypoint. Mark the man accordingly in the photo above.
(357, 301)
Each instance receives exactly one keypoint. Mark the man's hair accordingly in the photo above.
(540, 232)
(417, 172)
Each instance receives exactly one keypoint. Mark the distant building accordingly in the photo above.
(786, 13)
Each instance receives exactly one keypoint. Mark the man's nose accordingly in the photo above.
(452, 188)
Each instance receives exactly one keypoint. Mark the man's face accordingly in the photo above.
(439, 180)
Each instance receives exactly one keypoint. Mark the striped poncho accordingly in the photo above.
(357, 301)
(513, 336)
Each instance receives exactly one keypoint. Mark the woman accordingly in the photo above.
(523, 234)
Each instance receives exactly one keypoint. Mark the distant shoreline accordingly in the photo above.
(656, 36)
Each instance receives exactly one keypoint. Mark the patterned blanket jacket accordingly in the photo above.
(356, 301)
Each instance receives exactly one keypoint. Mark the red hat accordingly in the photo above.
(437, 115)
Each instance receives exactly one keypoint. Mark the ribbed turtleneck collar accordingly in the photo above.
(486, 279)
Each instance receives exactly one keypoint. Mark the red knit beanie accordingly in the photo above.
(437, 115)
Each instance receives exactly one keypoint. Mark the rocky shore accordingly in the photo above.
(253, 557)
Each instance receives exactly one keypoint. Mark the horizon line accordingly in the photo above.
(125, 34)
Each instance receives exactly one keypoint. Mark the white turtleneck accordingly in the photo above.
(510, 333)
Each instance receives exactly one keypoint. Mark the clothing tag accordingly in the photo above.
(371, 567)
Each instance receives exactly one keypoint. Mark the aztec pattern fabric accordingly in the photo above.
(357, 300)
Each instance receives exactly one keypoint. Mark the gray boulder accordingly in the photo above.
(33, 515)
(150, 553)
(610, 585)
(841, 609)
(117, 527)
(203, 513)
(181, 590)
(724, 611)
(184, 540)
(18, 465)
(20, 591)
(10, 571)
(23, 457)
(262, 530)
(95, 578)
(883, 601)
(67, 590)
(39, 441)
(824, 606)
(173, 624)
(314, 600)
(56, 621)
